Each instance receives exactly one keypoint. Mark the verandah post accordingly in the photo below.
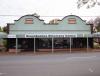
(87, 44)
(34, 46)
(52, 45)
(16, 45)
(70, 45)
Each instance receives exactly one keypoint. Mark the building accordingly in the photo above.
(31, 33)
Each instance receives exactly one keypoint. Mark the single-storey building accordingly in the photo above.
(31, 33)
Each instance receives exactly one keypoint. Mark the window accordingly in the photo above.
(29, 21)
(72, 21)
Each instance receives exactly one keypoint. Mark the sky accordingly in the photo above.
(45, 8)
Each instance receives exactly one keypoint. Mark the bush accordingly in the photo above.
(96, 45)
(3, 44)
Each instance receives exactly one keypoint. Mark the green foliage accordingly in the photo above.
(0, 29)
(88, 3)
(5, 29)
(96, 45)
(5, 42)
(98, 28)
(97, 23)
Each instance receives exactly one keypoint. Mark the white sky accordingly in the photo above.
(43, 8)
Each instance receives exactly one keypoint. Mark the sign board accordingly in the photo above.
(35, 36)
(48, 36)
(52, 36)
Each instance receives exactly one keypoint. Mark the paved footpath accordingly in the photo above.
(75, 64)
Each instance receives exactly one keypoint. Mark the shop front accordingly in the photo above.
(30, 33)
(49, 43)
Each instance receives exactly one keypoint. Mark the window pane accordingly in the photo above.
(28, 21)
(72, 21)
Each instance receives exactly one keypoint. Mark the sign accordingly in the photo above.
(48, 36)
(71, 35)
(35, 36)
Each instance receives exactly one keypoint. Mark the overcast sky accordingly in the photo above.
(43, 8)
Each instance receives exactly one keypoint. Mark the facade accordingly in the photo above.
(30, 33)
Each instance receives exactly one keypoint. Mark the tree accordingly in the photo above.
(0, 29)
(54, 21)
(88, 3)
(5, 29)
(97, 24)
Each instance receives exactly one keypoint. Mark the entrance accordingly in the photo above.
(61, 44)
(26, 44)
(44, 44)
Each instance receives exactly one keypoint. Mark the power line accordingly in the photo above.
(10, 15)
(45, 16)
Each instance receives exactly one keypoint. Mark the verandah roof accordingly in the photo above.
(42, 35)
(49, 35)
